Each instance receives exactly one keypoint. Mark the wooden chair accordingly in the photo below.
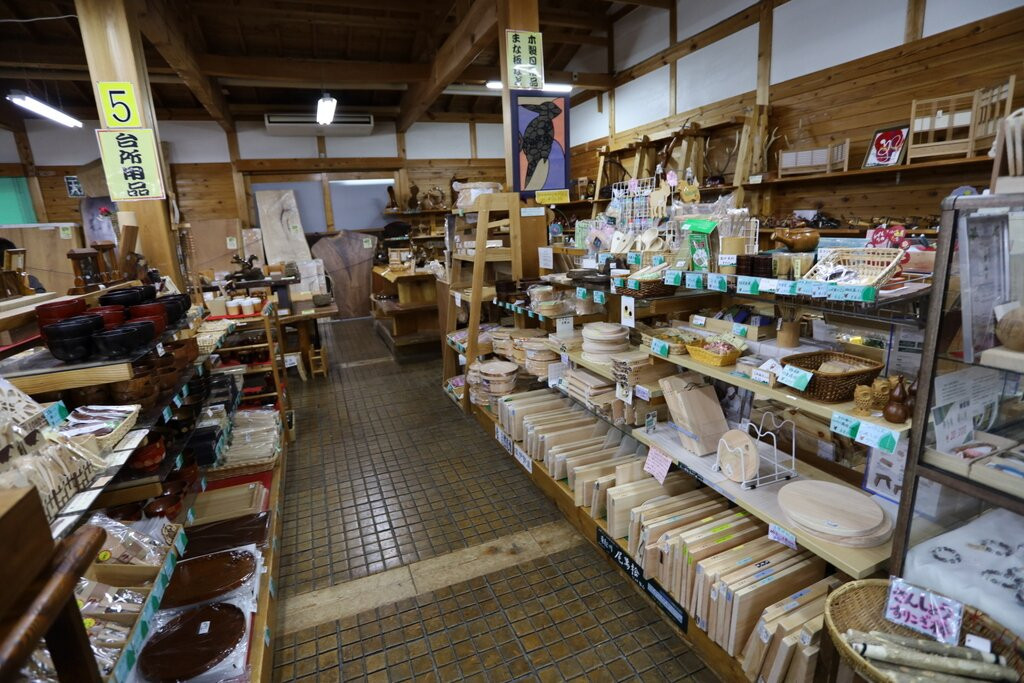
(991, 105)
(957, 125)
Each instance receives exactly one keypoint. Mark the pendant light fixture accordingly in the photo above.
(26, 101)
(325, 110)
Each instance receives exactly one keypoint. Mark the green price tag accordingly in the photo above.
(599, 296)
(877, 436)
(581, 292)
(531, 314)
(821, 289)
(658, 260)
(634, 258)
(694, 281)
(805, 287)
(176, 400)
(632, 284)
(739, 329)
(844, 425)
(603, 257)
(618, 281)
(166, 413)
(748, 285)
(857, 294)
(718, 282)
(786, 287)
(701, 225)
(674, 277)
(795, 377)
(55, 414)
(660, 347)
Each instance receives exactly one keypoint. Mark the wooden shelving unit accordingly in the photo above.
(408, 324)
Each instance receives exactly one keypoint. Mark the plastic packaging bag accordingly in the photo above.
(124, 545)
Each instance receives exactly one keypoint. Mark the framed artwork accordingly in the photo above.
(888, 146)
(540, 130)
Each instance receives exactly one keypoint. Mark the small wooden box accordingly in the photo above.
(27, 541)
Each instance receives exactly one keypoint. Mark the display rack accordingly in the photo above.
(406, 319)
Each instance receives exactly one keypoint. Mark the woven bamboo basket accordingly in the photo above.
(713, 359)
(873, 267)
(648, 289)
(860, 605)
(676, 340)
(833, 388)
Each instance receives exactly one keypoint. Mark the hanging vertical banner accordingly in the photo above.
(131, 164)
(525, 50)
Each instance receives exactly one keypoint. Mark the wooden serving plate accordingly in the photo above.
(737, 455)
(825, 507)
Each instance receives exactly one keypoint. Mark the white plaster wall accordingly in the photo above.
(942, 15)
(809, 35)
(589, 59)
(382, 142)
(56, 145)
(723, 69)
(430, 140)
(8, 149)
(694, 16)
(640, 34)
(195, 142)
(586, 123)
(642, 100)
(254, 143)
(490, 141)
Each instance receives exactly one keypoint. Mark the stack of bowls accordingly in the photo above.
(47, 314)
(70, 339)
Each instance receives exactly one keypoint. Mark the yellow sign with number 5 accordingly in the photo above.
(117, 99)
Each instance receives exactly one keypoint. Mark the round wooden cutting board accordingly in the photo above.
(737, 455)
(830, 508)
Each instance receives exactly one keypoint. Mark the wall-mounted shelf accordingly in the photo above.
(942, 164)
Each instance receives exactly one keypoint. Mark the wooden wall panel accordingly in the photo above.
(439, 173)
(205, 192)
(60, 208)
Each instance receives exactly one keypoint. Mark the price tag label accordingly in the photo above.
(877, 436)
(458, 298)
(727, 259)
(618, 281)
(581, 292)
(659, 347)
(718, 282)
(545, 257)
(739, 329)
(761, 375)
(642, 392)
(821, 290)
(55, 413)
(563, 326)
(924, 611)
(694, 281)
(504, 439)
(599, 296)
(698, 321)
(634, 258)
(176, 401)
(844, 425)
(184, 390)
(531, 313)
(627, 311)
(748, 285)
(786, 287)
(657, 464)
(494, 301)
(523, 459)
(166, 413)
(632, 284)
(202, 483)
(856, 294)
(624, 392)
(160, 349)
(603, 257)
(783, 536)
(565, 358)
(673, 277)
(651, 421)
(805, 287)
(795, 377)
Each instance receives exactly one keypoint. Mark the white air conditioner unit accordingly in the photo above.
(305, 125)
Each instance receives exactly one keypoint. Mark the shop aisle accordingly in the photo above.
(414, 548)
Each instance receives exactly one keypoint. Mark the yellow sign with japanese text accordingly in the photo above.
(525, 53)
(117, 100)
(552, 196)
(131, 164)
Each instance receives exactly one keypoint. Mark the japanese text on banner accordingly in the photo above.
(131, 164)
(525, 60)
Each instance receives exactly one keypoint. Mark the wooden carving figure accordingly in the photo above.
(414, 199)
(247, 271)
(880, 393)
(658, 198)
(537, 141)
(392, 200)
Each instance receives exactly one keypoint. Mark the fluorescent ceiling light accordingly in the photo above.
(43, 109)
(549, 87)
(325, 107)
(366, 181)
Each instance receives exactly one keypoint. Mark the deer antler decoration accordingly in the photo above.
(718, 169)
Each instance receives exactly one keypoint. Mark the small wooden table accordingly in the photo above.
(303, 318)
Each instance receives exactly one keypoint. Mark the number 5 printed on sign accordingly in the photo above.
(117, 99)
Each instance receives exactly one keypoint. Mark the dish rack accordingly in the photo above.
(770, 469)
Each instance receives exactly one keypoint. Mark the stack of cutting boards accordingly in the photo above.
(836, 513)
(588, 388)
(602, 340)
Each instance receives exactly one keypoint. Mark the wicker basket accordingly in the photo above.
(833, 388)
(647, 289)
(874, 267)
(675, 348)
(860, 605)
(716, 360)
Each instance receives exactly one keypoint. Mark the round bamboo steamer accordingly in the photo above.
(830, 508)
(737, 455)
(498, 368)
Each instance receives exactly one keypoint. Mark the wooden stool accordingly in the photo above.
(318, 362)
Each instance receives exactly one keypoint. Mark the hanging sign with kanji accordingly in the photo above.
(131, 164)
(525, 50)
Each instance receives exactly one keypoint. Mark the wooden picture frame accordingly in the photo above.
(543, 117)
(880, 149)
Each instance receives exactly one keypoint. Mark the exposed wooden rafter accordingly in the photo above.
(660, 4)
(162, 28)
(478, 28)
(311, 71)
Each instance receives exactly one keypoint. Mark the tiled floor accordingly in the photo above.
(386, 472)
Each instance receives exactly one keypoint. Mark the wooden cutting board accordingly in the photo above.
(830, 508)
(737, 455)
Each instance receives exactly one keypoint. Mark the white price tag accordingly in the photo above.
(698, 321)
(768, 285)
(627, 311)
(783, 536)
(458, 298)
(523, 459)
(546, 257)
(657, 464)
(624, 393)
(565, 358)
(762, 376)
(563, 326)
(160, 349)
(727, 259)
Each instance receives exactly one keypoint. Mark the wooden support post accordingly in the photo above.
(521, 15)
(113, 50)
(914, 29)
(31, 177)
(764, 50)
(238, 180)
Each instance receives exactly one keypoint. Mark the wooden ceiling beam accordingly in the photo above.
(569, 38)
(477, 29)
(597, 22)
(163, 29)
(280, 71)
(287, 15)
(659, 4)
(582, 80)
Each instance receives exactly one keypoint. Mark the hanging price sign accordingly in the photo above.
(694, 281)
(718, 282)
(673, 277)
